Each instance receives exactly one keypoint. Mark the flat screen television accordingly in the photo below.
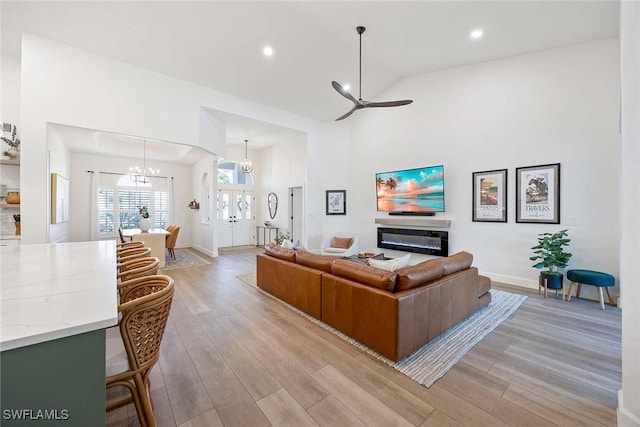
(418, 191)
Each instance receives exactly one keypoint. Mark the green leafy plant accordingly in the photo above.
(550, 252)
(282, 236)
(144, 213)
(14, 141)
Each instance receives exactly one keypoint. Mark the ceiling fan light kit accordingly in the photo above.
(359, 103)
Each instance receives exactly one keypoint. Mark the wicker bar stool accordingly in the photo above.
(134, 347)
(138, 267)
(131, 254)
(129, 245)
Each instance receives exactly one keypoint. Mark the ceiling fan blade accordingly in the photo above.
(342, 91)
(388, 103)
(344, 116)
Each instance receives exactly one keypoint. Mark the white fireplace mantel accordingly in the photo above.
(410, 221)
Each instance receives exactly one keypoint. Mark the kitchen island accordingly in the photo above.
(56, 300)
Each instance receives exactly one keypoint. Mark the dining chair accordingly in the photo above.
(138, 267)
(131, 254)
(133, 348)
(170, 229)
(171, 241)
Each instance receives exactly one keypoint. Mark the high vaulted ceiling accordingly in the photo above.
(219, 44)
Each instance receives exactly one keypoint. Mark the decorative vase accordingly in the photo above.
(145, 224)
(14, 153)
(13, 197)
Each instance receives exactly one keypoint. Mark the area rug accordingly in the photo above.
(184, 258)
(429, 363)
(250, 279)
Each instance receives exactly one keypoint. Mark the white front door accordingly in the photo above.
(236, 219)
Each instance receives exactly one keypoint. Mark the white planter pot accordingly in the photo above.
(145, 224)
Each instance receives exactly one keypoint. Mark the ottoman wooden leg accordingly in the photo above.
(601, 297)
(579, 289)
(570, 290)
(611, 302)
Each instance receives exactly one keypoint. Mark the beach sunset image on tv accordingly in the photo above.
(411, 190)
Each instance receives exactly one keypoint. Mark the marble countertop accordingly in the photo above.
(53, 291)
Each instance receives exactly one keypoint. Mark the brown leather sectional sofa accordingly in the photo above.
(394, 313)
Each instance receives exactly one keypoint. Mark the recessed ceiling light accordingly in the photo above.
(476, 34)
(346, 86)
(267, 51)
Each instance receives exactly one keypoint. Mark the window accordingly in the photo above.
(230, 173)
(119, 205)
(106, 224)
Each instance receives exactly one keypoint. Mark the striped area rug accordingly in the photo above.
(430, 362)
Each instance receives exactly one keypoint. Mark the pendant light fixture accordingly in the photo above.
(246, 165)
(144, 175)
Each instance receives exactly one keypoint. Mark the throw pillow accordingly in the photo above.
(390, 264)
(341, 242)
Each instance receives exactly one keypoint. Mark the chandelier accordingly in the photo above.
(246, 165)
(144, 175)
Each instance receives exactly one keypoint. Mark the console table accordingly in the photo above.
(264, 234)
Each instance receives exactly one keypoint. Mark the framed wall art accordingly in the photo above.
(538, 194)
(490, 196)
(336, 202)
(59, 199)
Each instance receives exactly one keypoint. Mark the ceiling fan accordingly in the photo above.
(359, 103)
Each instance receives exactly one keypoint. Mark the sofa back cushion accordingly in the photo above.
(416, 275)
(364, 274)
(460, 261)
(319, 262)
(280, 252)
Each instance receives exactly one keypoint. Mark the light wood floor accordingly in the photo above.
(232, 356)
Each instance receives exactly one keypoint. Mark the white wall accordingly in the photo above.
(203, 220)
(80, 187)
(10, 91)
(60, 163)
(557, 106)
(282, 166)
(69, 86)
(629, 396)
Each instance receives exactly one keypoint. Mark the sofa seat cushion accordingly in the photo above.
(332, 250)
(484, 285)
(319, 262)
(418, 274)
(460, 261)
(279, 252)
(364, 274)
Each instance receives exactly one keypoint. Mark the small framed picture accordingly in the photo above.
(490, 196)
(538, 194)
(336, 202)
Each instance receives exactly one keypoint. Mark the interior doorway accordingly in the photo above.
(296, 209)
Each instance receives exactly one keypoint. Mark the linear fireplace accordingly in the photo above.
(420, 241)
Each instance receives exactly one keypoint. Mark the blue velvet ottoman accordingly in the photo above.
(593, 278)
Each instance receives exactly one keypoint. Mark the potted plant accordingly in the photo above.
(145, 223)
(13, 142)
(282, 236)
(550, 253)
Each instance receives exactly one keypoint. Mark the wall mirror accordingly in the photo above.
(272, 202)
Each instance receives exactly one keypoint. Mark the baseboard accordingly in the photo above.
(511, 280)
(209, 252)
(625, 418)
